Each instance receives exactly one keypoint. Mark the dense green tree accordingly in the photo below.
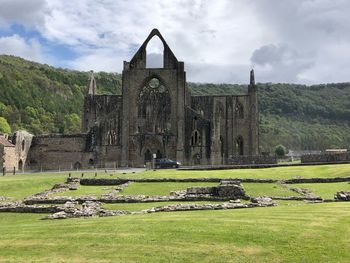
(72, 123)
(4, 126)
(280, 151)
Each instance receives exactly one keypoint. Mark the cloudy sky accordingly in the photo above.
(299, 41)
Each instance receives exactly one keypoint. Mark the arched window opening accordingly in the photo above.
(239, 111)
(155, 53)
(195, 138)
(239, 145)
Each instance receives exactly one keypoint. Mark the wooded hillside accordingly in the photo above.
(43, 99)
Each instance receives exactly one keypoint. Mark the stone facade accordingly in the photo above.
(14, 152)
(7, 154)
(343, 157)
(156, 114)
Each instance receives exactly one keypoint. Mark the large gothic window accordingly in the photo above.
(154, 107)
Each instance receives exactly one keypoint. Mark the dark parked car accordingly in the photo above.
(166, 163)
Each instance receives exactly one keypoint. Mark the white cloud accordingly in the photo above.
(286, 41)
(28, 49)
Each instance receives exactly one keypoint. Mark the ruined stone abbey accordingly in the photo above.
(156, 114)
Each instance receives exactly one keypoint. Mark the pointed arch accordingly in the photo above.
(239, 110)
(239, 145)
(155, 53)
(139, 59)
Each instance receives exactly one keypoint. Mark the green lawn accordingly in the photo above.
(300, 233)
(326, 191)
(20, 186)
(340, 170)
(87, 190)
(275, 190)
(294, 231)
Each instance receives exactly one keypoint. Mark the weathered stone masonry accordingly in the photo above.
(156, 114)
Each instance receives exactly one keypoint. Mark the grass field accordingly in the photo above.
(326, 191)
(294, 231)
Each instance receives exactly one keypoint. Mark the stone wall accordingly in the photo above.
(326, 158)
(58, 151)
(255, 159)
(22, 141)
(10, 158)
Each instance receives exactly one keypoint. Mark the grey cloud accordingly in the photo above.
(211, 73)
(280, 63)
(25, 12)
(272, 54)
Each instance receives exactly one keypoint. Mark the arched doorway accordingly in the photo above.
(159, 154)
(147, 156)
(239, 145)
(20, 165)
(77, 166)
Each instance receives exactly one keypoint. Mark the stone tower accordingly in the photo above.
(154, 101)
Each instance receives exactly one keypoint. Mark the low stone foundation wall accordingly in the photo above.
(326, 158)
(119, 181)
(255, 159)
(316, 180)
(226, 189)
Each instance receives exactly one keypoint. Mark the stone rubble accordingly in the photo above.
(342, 196)
(86, 209)
(4, 198)
(263, 201)
(57, 188)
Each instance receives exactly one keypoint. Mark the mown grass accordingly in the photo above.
(326, 191)
(291, 232)
(19, 186)
(322, 171)
(87, 190)
(295, 233)
(267, 189)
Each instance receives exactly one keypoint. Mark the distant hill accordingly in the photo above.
(43, 99)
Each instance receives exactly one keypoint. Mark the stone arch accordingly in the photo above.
(20, 165)
(77, 165)
(239, 145)
(196, 138)
(196, 159)
(239, 110)
(139, 59)
(147, 156)
(155, 53)
(153, 144)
